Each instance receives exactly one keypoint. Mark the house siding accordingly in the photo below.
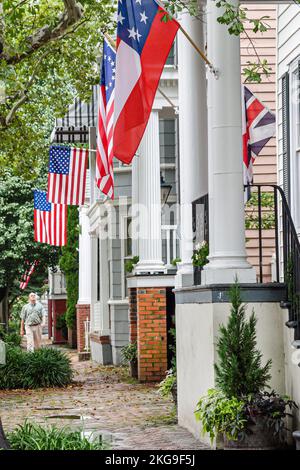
(265, 165)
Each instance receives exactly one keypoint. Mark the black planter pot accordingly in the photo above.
(133, 365)
(259, 438)
(174, 392)
(197, 275)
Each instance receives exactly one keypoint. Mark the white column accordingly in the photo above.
(227, 258)
(150, 245)
(84, 258)
(193, 137)
(134, 205)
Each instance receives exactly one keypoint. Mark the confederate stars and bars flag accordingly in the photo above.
(50, 220)
(104, 152)
(67, 175)
(259, 125)
(145, 34)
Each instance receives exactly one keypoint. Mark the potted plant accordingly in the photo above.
(168, 386)
(129, 355)
(200, 259)
(239, 409)
(130, 264)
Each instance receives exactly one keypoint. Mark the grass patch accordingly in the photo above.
(167, 419)
(29, 436)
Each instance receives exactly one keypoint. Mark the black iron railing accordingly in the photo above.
(268, 218)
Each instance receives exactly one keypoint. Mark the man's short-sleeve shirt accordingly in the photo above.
(32, 314)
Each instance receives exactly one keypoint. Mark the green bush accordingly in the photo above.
(129, 353)
(44, 367)
(29, 436)
(166, 386)
(69, 264)
(10, 337)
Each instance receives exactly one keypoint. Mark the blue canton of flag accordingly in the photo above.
(108, 72)
(59, 159)
(40, 201)
(134, 22)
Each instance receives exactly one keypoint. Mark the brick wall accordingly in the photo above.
(82, 313)
(151, 334)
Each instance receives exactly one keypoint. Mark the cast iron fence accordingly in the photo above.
(287, 266)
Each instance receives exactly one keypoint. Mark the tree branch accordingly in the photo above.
(73, 12)
(24, 95)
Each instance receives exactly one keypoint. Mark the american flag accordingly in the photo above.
(67, 175)
(50, 220)
(144, 40)
(27, 275)
(104, 154)
(259, 125)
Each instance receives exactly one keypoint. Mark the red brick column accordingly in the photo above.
(152, 334)
(82, 313)
(58, 308)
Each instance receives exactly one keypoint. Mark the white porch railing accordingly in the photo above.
(87, 329)
(169, 241)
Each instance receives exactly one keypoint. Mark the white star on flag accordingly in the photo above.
(138, 35)
(144, 17)
(132, 33)
(120, 18)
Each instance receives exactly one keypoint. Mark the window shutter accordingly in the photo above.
(286, 135)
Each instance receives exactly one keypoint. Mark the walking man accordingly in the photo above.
(32, 317)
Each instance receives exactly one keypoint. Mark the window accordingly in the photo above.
(171, 59)
(167, 140)
(126, 251)
(295, 141)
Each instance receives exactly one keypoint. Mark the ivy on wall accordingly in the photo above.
(69, 264)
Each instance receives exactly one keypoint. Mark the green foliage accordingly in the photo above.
(46, 367)
(268, 214)
(130, 264)
(17, 243)
(129, 352)
(47, 73)
(200, 256)
(69, 264)
(220, 415)
(175, 261)
(12, 338)
(61, 321)
(30, 436)
(166, 386)
(239, 372)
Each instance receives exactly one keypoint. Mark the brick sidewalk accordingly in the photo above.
(127, 415)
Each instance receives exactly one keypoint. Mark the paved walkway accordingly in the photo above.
(104, 401)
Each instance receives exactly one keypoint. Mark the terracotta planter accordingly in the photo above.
(261, 438)
(133, 369)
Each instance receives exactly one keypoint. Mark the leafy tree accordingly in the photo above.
(17, 245)
(48, 55)
(239, 372)
(69, 264)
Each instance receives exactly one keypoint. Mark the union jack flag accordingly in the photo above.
(67, 175)
(27, 275)
(50, 220)
(259, 125)
(104, 152)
